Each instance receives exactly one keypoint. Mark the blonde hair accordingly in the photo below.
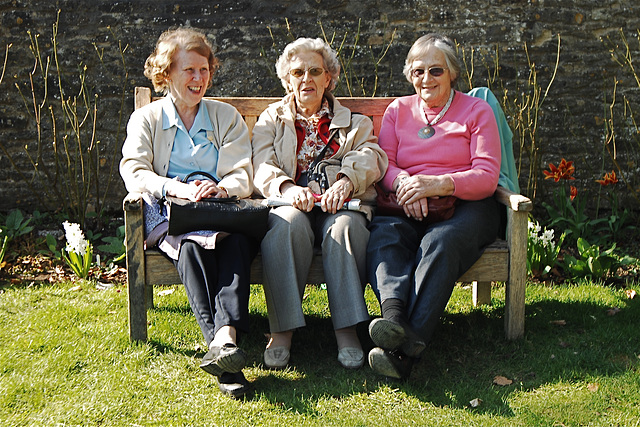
(444, 44)
(319, 46)
(158, 64)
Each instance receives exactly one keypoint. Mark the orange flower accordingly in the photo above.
(573, 192)
(608, 178)
(563, 171)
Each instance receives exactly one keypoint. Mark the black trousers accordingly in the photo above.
(217, 282)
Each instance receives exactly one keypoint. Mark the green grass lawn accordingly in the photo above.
(65, 360)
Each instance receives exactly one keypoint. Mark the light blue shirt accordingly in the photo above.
(192, 150)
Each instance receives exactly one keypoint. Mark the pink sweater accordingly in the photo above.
(466, 145)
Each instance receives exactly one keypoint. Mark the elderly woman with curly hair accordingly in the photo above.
(166, 141)
(307, 124)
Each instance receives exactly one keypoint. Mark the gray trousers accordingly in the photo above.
(287, 252)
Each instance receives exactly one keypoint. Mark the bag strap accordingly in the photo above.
(322, 153)
(208, 175)
(203, 173)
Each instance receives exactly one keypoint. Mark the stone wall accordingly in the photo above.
(249, 34)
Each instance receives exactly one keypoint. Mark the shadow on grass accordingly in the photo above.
(564, 341)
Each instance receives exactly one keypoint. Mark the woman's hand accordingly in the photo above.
(301, 197)
(411, 189)
(333, 199)
(197, 190)
(413, 192)
(417, 210)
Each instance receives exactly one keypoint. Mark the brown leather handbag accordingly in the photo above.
(440, 208)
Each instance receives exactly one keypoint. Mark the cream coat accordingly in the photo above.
(146, 151)
(274, 144)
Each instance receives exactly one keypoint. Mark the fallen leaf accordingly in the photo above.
(475, 402)
(631, 294)
(592, 387)
(502, 381)
(76, 288)
(558, 322)
(166, 292)
(613, 311)
(564, 344)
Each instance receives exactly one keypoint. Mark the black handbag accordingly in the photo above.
(229, 214)
(322, 174)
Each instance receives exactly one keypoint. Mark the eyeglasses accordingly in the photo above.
(299, 72)
(434, 71)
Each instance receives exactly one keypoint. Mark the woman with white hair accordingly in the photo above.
(306, 125)
(440, 143)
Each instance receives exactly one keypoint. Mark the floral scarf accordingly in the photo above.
(311, 131)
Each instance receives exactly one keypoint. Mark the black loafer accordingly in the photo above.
(234, 384)
(392, 364)
(390, 334)
(228, 358)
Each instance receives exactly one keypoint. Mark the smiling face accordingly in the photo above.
(188, 79)
(434, 91)
(307, 89)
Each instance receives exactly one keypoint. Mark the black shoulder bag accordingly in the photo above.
(229, 214)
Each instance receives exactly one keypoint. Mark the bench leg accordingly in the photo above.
(481, 293)
(137, 311)
(138, 297)
(516, 286)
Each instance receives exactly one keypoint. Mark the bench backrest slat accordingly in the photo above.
(250, 108)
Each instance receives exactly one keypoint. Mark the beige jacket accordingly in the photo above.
(275, 142)
(146, 151)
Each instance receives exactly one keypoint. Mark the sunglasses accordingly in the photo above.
(434, 71)
(299, 72)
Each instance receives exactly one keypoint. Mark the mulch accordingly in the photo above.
(30, 270)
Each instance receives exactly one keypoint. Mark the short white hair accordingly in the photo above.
(444, 44)
(319, 46)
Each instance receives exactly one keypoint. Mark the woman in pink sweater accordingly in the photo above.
(440, 142)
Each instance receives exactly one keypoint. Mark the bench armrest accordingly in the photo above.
(514, 201)
(132, 202)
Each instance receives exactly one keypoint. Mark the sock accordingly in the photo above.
(394, 308)
(347, 337)
(280, 339)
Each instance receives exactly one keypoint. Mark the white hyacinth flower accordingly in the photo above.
(75, 238)
(547, 237)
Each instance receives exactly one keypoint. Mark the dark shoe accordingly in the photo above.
(234, 384)
(392, 364)
(228, 358)
(392, 335)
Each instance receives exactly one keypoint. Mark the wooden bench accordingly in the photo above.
(503, 261)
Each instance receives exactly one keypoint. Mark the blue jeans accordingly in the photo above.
(419, 263)
(217, 282)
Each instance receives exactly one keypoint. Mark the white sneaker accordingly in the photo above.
(276, 357)
(351, 357)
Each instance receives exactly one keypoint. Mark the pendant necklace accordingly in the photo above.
(428, 131)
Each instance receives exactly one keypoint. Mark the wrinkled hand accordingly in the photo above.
(197, 190)
(301, 197)
(410, 189)
(417, 210)
(333, 199)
